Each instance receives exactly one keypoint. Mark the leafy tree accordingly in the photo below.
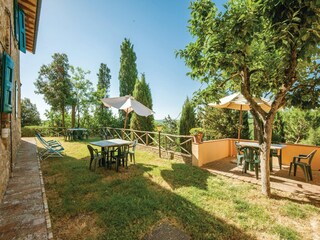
(187, 121)
(54, 119)
(142, 93)
(245, 130)
(278, 133)
(55, 85)
(296, 125)
(256, 47)
(29, 113)
(103, 115)
(170, 125)
(81, 90)
(219, 123)
(128, 73)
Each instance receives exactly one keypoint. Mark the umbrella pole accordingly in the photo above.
(240, 120)
(125, 124)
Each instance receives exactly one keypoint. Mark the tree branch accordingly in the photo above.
(245, 90)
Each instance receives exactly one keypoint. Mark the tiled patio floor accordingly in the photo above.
(280, 179)
(23, 210)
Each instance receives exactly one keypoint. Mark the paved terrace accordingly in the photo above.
(24, 210)
(280, 179)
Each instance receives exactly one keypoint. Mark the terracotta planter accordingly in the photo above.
(198, 138)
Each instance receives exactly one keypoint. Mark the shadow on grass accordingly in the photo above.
(128, 204)
(183, 175)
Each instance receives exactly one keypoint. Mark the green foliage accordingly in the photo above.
(55, 85)
(296, 125)
(142, 93)
(278, 133)
(29, 113)
(29, 131)
(187, 121)
(219, 123)
(170, 125)
(188, 118)
(103, 116)
(128, 73)
(103, 86)
(82, 90)
(245, 130)
(195, 131)
(128, 68)
(314, 137)
(53, 119)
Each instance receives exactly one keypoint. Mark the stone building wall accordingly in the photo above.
(8, 43)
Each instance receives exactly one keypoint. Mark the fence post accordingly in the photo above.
(159, 128)
(147, 138)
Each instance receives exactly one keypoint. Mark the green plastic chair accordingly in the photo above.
(305, 166)
(131, 151)
(251, 157)
(94, 157)
(274, 153)
(240, 154)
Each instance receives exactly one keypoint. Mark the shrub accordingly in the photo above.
(195, 131)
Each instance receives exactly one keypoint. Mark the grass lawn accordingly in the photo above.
(128, 204)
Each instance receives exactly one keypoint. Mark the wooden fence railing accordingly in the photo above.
(165, 143)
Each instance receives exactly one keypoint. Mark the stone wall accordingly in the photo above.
(8, 43)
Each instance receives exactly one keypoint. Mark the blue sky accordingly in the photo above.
(91, 32)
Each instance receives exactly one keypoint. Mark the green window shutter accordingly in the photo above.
(22, 31)
(7, 80)
(16, 18)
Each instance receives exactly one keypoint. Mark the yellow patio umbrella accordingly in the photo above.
(237, 101)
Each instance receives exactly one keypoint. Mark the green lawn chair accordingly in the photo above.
(303, 161)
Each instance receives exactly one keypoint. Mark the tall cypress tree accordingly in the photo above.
(187, 121)
(245, 131)
(104, 78)
(142, 93)
(128, 68)
(102, 114)
(128, 73)
(188, 118)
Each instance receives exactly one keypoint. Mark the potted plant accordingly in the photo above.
(197, 133)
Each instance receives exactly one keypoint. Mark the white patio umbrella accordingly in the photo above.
(237, 101)
(127, 104)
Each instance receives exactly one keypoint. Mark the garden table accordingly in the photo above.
(273, 147)
(74, 133)
(110, 143)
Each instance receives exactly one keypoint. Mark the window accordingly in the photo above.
(19, 26)
(7, 78)
(22, 31)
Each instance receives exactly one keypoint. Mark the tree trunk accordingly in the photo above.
(255, 130)
(265, 158)
(78, 110)
(264, 132)
(73, 116)
(62, 114)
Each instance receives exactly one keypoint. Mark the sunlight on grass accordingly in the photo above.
(127, 204)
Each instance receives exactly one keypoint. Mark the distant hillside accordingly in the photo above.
(159, 121)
